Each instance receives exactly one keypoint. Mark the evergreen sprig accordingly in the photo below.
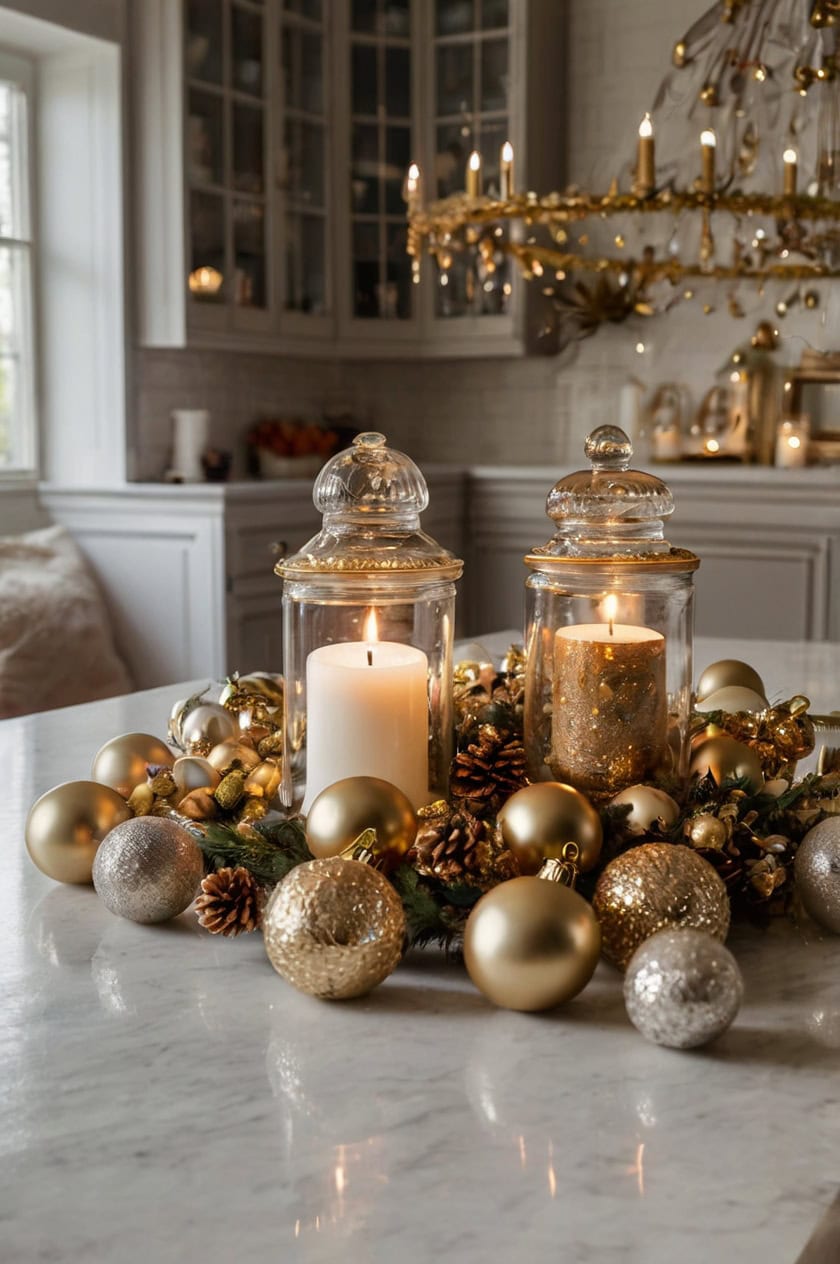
(268, 853)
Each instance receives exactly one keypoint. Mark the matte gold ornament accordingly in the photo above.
(727, 760)
(148, 870)
(334, 928)
(192, 772)
(726, 672)
(654, 887)
(122, 762)
(66, 825)
(647, 806)
(264, 781)
(817, 871)
(538, 821)
(531, 943)
(208, 722)
(342, 812)
(733, 698)
(223, 756)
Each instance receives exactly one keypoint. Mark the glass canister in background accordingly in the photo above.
(368, 621)
(609, 627)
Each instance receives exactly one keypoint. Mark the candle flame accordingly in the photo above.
(794, 441)
(507, 152)
(712, 445)
(610, 611)
(370, 629)
(707, 137)
(789, 155)
(475, 160)
(414, 172)
(646, 127)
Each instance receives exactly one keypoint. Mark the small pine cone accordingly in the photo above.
(489, 771)
(231, 902)
(450, 845)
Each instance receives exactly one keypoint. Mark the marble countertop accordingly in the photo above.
(165, 1096)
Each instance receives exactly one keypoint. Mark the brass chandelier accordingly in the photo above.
(735, 181)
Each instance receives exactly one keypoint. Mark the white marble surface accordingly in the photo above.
(164, 1096)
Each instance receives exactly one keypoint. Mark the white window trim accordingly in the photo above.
(21, 71)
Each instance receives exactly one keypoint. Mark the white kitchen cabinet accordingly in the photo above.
(271, 142)
(187, 571)
(768, 541)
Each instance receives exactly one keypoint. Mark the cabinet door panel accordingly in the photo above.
(255, 631)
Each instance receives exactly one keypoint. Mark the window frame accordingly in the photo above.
(20, 70)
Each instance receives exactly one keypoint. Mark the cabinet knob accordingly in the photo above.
(278, 548)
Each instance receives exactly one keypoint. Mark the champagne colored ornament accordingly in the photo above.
(264, 781)
(192, 772)
(122, 762)
(682, 989)
(538, 821)
(342, 812)
(148, 870)
(817, 873)
(733, 698)
(655, 887)
(726, 672)
(207, 723)
(227, 753)
(255, 685)
(647, 806)
(66, 825)
(334, 928)
(727, 760)
(707, 832)
(532, 943)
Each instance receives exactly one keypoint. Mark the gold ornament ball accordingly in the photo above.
(257, 684)
(531, 944)
(121, 763)
(707, 832)
(726, 672)
(229, 752)
(208, 722)
(191, 772)
(539, 820)
(334, 928)
(654, 887)
(349, 807)
(732, 699)
(726, 760)
(647, 806)
(66, 825)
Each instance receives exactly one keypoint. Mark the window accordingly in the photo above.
(17, 348)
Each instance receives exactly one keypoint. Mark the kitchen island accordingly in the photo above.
(166, 1097)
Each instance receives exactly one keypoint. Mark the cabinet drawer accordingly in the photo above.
(253, 549)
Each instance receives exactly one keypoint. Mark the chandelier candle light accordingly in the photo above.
(368, 619)
(609, 630)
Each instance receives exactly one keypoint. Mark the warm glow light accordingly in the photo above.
(475, 161)
(205, 281)
(370, 631)
(610, 610)
(734, 376)
(789, 155)
(340, 1179)
(646, 127)
(707, 137)
(640, 348)
(794, 441)
(414, 172)
(712, 445)
(552, 1181)
(507, 152)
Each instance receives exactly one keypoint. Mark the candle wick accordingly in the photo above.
(612, 627)
(370, 657)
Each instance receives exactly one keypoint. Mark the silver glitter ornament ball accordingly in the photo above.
(148, 869)
(817, 872)
(682, 988)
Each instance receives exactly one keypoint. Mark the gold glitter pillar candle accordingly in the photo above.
(609, 705)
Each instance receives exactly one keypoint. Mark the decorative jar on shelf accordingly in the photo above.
(609, 614)
(368, 619)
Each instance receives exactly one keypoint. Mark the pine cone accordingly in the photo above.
(489, 771)
(231, 902)
(448, 844)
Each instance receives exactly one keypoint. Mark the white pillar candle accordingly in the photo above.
(792, 445)
(367, 715)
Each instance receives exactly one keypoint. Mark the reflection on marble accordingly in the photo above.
(166, 1096)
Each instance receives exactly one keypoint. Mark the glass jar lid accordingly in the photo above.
(371, 497)
(610, 512)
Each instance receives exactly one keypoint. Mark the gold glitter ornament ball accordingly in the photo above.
(122, 762)
(348, 807)
(531, 944)
(538, 821)
(655, 887)
(66, 825)
(148, 870)
(727, 760)
(729, 673)
(334, 928)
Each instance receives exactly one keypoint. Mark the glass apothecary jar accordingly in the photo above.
(368, 620)
(609, 616)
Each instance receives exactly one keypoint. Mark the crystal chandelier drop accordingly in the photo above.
(733, 190)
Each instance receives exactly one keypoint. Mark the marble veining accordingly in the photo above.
(165, 1096)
